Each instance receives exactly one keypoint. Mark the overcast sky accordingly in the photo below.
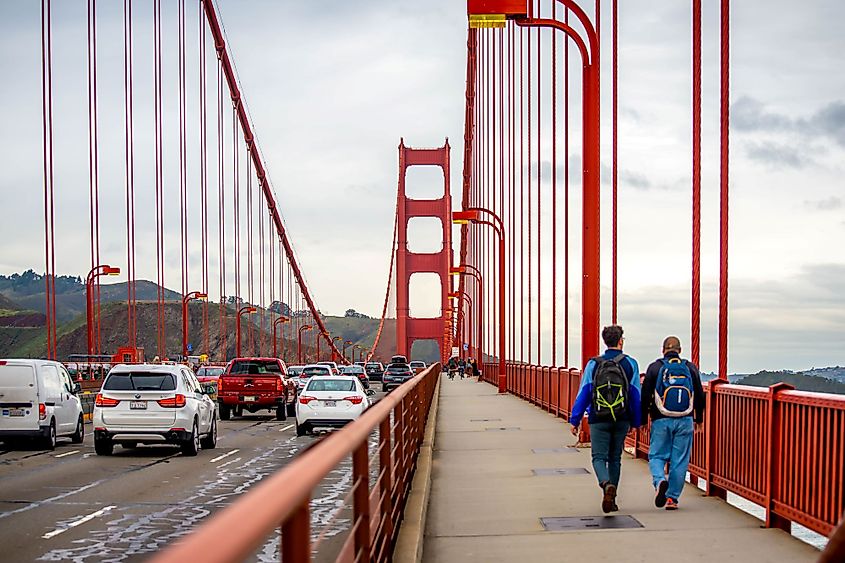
(332, 87)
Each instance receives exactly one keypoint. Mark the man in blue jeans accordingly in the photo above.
(610, 391)
(673, 397)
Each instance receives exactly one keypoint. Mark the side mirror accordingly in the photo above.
(370, 392)
(77, 388)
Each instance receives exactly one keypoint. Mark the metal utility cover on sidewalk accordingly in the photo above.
(505, 428)
(484, 419)
(571, 523)
(567, 450)
(560, 471)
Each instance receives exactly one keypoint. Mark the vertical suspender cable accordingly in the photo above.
(93, 167)
(249, 255)
(723, 192)
(614, 251)
(566, 194)
(539, 194)
(554, 189)
(695, 335)
(183, 181)
(530, 295)
(47, 131)
(204, 178)
(502, 258)
(221, 217)
(522, 297)
(130, 170)
(159, 185)
(237, 208)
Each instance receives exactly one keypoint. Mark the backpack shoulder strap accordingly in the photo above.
(618, 358)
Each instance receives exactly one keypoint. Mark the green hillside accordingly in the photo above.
(800, 381)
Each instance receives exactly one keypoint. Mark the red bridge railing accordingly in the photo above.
(776, 447)
(282, 502)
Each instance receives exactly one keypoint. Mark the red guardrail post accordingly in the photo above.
(296, 535)
(361, 501)
(774, 448)
(713, 427)
(387, 477)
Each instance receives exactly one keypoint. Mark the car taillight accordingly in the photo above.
(101, 401)
(305, 399)
(42, 411)
(176, 402)
(219, 384)
(354, 400)
(280, 385)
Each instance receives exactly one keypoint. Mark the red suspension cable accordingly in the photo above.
(723, 191)
(695, 345)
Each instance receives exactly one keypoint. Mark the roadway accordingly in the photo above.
(72, 505)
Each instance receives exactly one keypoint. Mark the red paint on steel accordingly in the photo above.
(723, 188)
(614, 206)
(257, 160)
(695, 316)
(505, 7)
(409, 329)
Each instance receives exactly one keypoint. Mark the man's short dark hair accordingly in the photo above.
(612, 335)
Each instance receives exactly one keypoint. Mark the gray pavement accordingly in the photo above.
(486, 503)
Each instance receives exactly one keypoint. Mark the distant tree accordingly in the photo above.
(352, 313)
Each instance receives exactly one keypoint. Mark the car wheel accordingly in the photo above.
(191, 446)
(225, 412)
(292, 408)
(103, 446)
(50, 438)
(301, 429)
(78, 436)
(209, 441)
(281, 412)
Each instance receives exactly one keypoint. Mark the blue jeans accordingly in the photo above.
(671, 441)
(607, 440)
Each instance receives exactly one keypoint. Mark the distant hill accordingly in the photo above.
(800, 381)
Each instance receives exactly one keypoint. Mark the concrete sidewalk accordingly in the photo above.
(486, 503)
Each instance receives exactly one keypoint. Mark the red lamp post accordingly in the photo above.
(475, 273)
(276, 323)
(96, 271)
(248, 310)
(464, 295)
(302, 329)
(345, 344)
(185, 300)
(473, 215)
(317, 338)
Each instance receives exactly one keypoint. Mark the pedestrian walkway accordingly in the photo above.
(486, 502)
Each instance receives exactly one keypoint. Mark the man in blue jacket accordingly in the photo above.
(610, 392)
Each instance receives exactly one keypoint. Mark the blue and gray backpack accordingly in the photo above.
(673, 393)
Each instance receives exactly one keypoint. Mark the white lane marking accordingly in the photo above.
(38, 503)
(236, 460)
(76, 523)
(218, 458)
(67, 453)
(288, 427)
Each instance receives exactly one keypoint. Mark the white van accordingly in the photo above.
(38, 400)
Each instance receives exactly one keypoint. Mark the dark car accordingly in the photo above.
(358, 372)
(395, 375)
(398, 359)
(374, 370)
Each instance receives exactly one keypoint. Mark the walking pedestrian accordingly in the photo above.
(673, 397)
(610, 391)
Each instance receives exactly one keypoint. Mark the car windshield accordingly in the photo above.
(316, 370)
(417, 364)
(373, 366)
(330, 385)
(254, 367)
(294, 371)
(352, 369)
(140, 381)
(399, 368)
(209, 372)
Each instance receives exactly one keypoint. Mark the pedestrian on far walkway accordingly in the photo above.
(673, 397)
(610, 391)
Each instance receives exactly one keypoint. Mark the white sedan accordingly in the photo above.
(330, 402)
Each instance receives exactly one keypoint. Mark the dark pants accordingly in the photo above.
(607, 440)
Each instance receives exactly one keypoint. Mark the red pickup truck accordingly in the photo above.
(255, 384)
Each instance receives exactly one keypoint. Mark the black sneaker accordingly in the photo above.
(609, 499)
(660, 497)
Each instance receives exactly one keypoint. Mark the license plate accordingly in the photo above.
(331, 403)
(249, 399)
(14, 412)
(138, 405)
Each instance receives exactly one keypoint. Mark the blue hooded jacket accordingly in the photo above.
(585, 391)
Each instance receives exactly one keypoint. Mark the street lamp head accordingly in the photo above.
(464, 217)
(202, 296)
(457, 270)
(111, 271)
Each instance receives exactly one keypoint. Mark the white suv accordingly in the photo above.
(154, 404)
